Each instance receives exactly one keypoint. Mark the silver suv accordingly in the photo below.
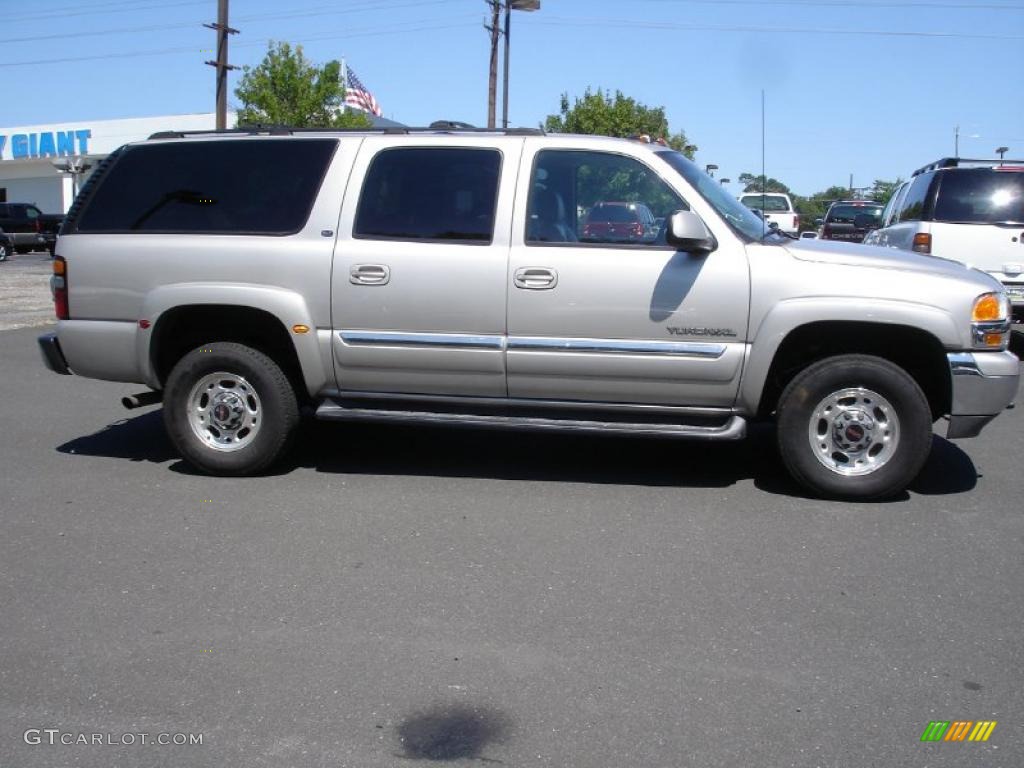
(442, 277)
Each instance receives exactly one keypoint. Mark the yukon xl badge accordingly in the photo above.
(676, 331)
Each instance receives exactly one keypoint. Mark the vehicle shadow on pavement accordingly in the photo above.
(432, 452)
(140, 438)
(391, 450)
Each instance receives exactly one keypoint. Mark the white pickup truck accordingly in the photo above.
(775, 208)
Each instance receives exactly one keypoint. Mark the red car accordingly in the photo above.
(620, 223)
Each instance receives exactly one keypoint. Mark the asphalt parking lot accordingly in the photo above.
(392, 595)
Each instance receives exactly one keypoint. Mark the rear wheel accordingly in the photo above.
(229, 409)
(854, 426)
(5, 251)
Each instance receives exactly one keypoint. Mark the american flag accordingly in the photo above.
(357, 95)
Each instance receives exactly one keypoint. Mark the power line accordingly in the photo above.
(619, 23)
(399, 28)
(849, 4)
(95, 10)
(377, 6)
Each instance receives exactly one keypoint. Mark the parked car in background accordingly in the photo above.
(6, 246)
(29, 227)
(775, 208)
(968, 210)
(850, 220)
(620, 222)
(808, 234)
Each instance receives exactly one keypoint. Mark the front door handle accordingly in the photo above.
(369, 274)
(536, 278)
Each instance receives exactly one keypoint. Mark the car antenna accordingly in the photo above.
(764, 175)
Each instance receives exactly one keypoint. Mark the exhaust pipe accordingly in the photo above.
(142, 399)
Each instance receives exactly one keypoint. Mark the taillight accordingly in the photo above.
(826, 233)
(796, 222)
(59, 287)
(39, 226)
(922, 242)
(638, 229)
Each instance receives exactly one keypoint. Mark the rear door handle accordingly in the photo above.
(536, 278)
(369, 274)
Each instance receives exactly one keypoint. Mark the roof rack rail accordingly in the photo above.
(284, 130)
(955, 162)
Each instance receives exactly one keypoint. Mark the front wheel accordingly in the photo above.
(229, 409)
(855, 427)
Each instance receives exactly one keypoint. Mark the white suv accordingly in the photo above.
(775, 208)
(971, 211)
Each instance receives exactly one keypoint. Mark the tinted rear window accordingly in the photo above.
(981, 196)
(613, 213)
(845, 214)
(259, 186)
(770, 203)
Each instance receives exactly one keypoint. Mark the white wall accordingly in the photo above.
(46, 193)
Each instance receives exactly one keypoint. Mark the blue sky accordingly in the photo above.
(874, 88)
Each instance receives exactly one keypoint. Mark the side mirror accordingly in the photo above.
(865, 221)
(687, 232)
(819, 221)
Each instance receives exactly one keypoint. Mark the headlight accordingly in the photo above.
(990, 307)
(990, 321)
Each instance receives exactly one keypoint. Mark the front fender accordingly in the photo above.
(288, 307)
(788, 315)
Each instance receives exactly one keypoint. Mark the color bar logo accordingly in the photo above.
(958, 730)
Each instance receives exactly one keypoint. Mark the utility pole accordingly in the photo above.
(508, 34)
(956, 141)
(492, 83)
(223, 30)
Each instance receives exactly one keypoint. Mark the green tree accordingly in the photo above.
(883, 190)
(286, 88)
(600, 113)
(752, 183)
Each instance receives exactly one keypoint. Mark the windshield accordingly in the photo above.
(768, 203)
(845, 214)
(744, 221)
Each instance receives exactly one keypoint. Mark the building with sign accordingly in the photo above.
(42, 164)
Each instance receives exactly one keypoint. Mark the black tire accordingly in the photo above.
(900, 418)
(271, 401)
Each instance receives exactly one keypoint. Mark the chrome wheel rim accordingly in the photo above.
(854, 431)
(225, 412)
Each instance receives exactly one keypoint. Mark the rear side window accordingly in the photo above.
(430, 193)
(981, 196)
(259, 186)
(913, 205)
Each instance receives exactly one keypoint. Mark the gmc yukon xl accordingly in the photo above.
(443, 276)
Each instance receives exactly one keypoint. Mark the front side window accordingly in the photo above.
(430, 193)
(912, 207)
(248, 186)
(597, 198)
(891, 206)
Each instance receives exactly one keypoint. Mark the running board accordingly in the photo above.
(731, 427)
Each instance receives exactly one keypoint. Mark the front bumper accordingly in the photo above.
(53, 357)
(984, 384)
